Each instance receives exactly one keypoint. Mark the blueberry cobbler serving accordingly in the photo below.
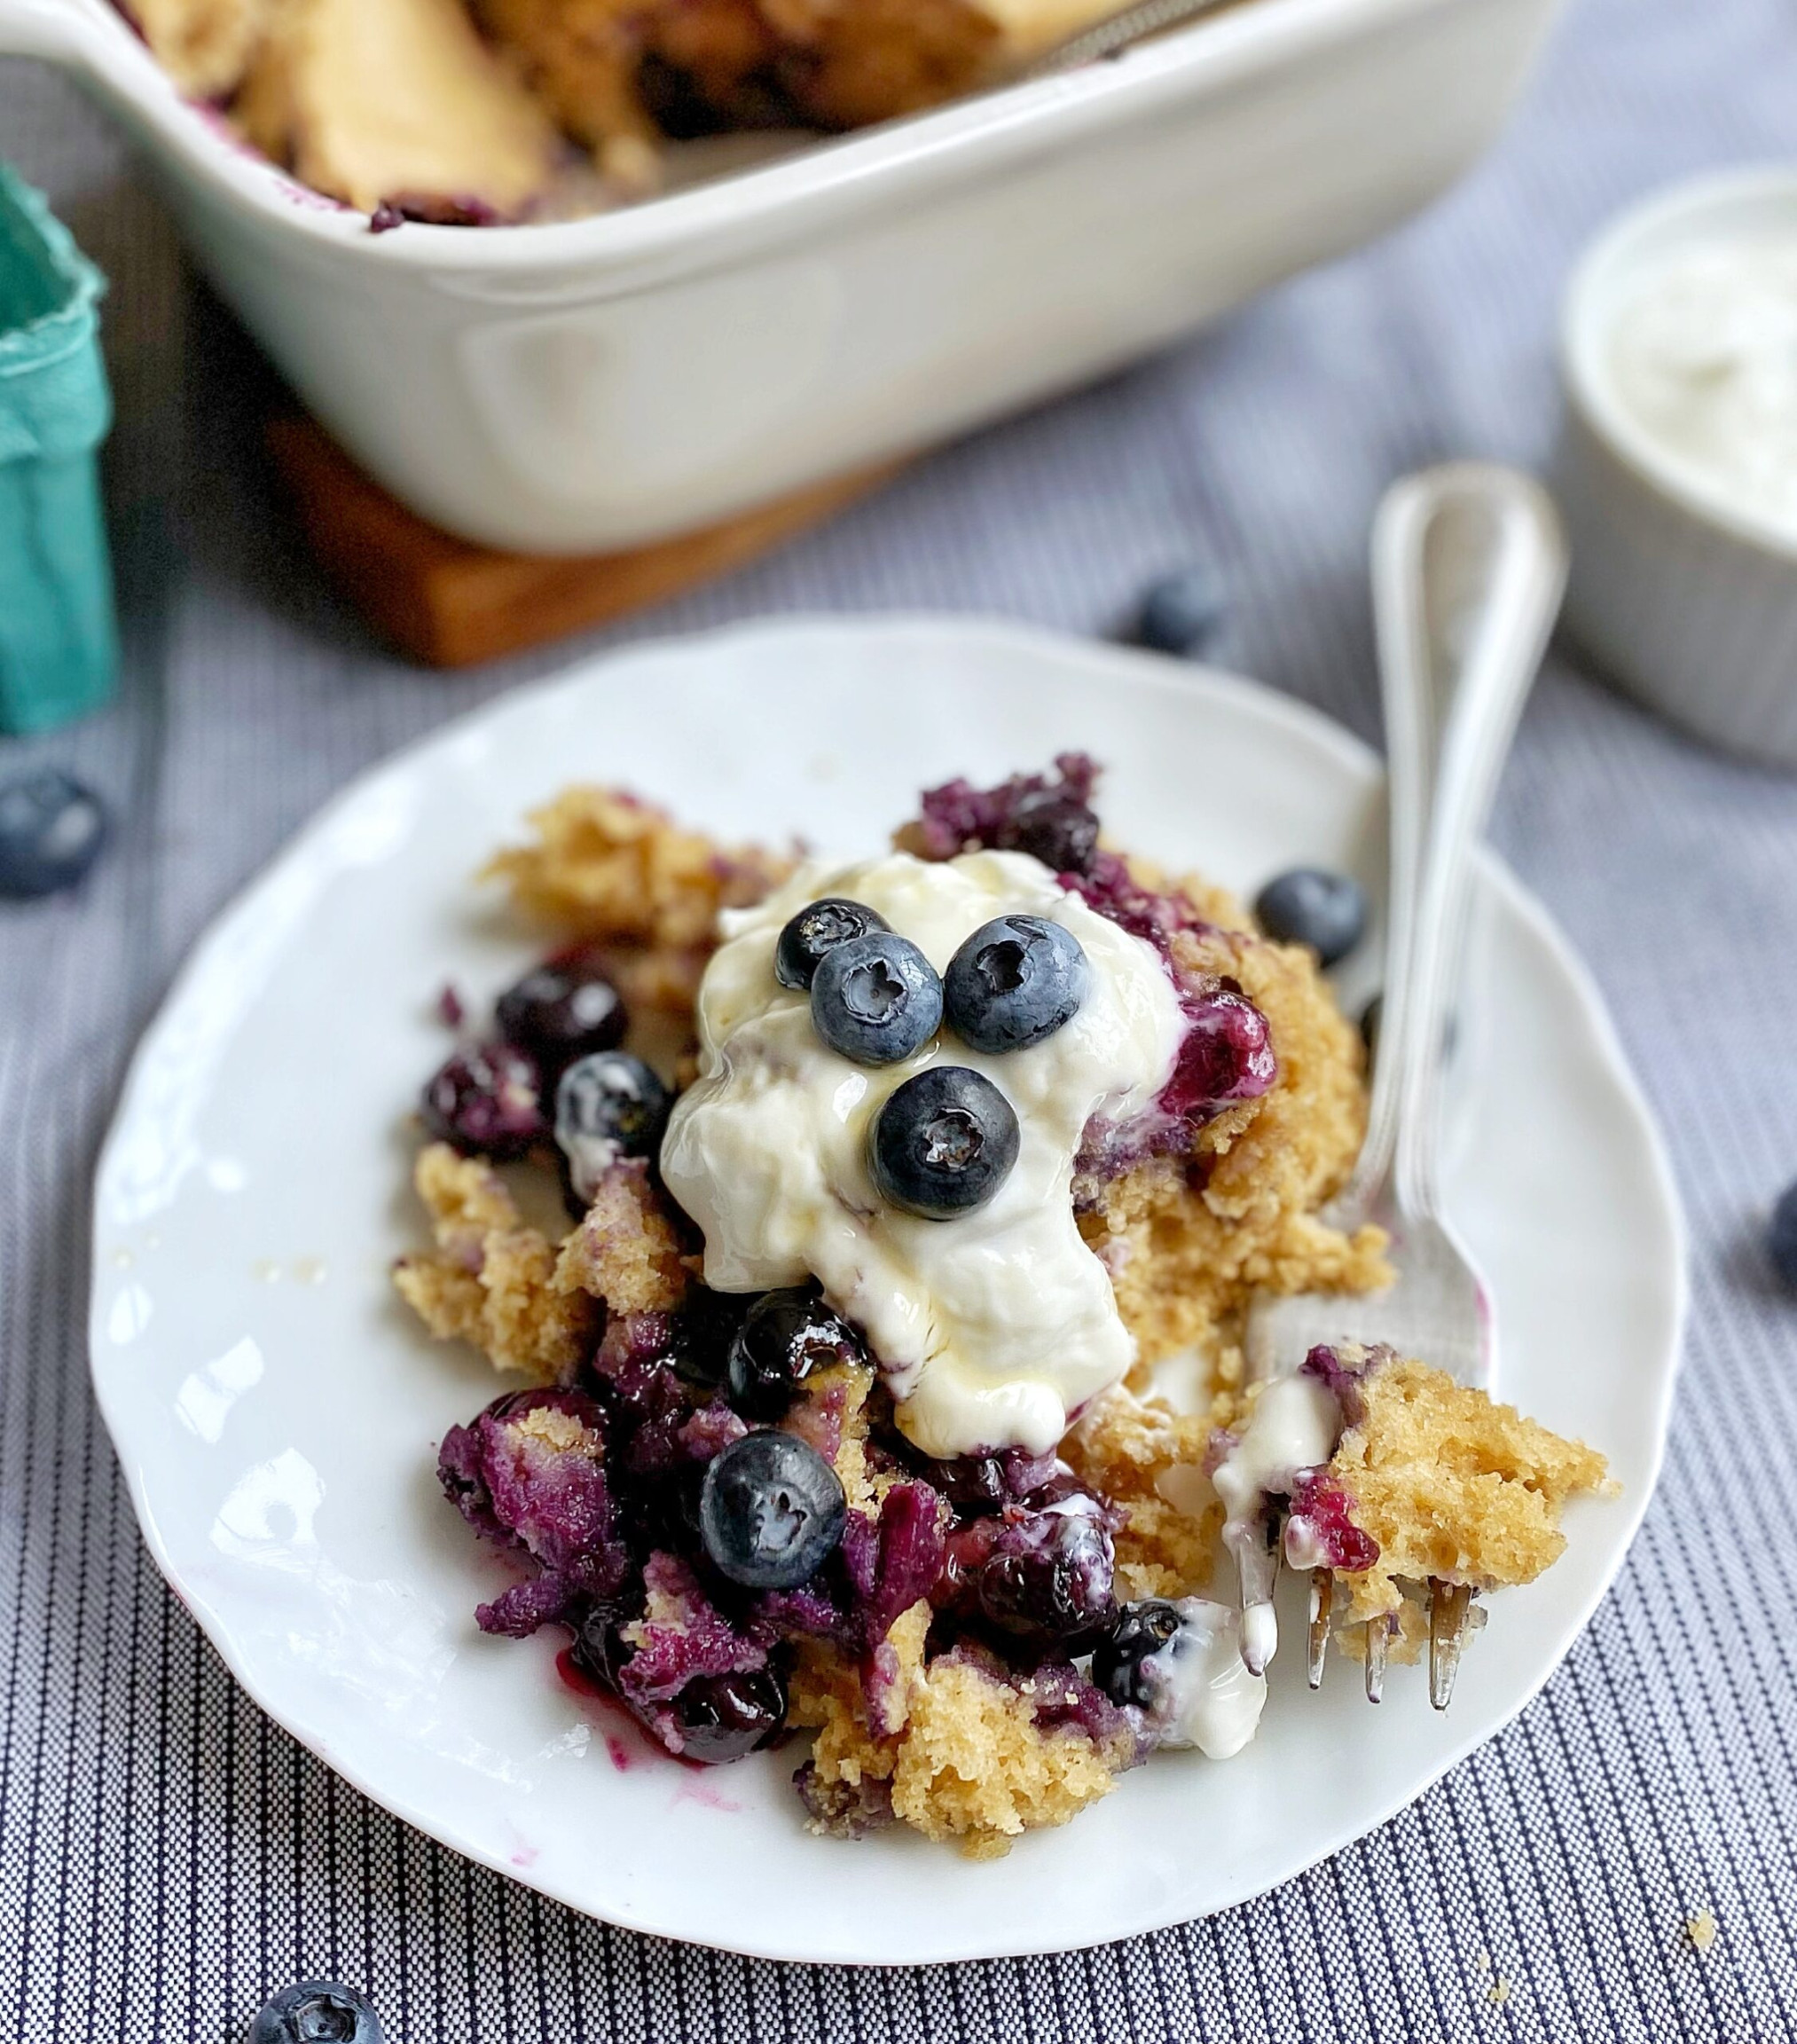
(890, 1187)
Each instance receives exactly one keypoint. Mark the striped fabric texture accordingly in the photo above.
(167, 1855)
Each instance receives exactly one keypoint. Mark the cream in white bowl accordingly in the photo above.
(1678, 462)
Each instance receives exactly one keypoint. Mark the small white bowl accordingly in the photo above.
(1686, 595)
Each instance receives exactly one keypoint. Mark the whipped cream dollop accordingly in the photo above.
(993, 1327)
(1703, 355)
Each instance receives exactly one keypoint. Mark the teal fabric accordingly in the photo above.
(58, 651)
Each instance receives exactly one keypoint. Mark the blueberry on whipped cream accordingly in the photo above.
(995, 1327)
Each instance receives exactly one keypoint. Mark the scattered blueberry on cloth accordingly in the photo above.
(51, 829)
(57, 644)
(317, 2012)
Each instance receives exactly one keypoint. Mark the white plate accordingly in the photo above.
(277, 1414)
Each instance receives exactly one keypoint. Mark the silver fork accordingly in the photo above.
(1468, 567)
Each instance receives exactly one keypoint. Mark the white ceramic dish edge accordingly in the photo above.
(211, 957)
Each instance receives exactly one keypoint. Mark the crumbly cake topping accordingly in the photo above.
(1451, 1485)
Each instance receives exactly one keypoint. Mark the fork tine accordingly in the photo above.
(1321, 1598)
(1378, 1645)
(1450, 1607)
(1256, 1565)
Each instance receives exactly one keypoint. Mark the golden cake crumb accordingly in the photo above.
(1452, 1485)
(1701, 1929)
(610, 868)
(556, 1429)
(1146, 1459)
(376, 99)
(624, 1249)
(204, 45)
(968, 1764)
(491, 1280)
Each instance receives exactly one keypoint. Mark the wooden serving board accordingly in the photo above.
(448, 602)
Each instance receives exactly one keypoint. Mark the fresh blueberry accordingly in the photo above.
(1783, 1236)
(875, 999)
(817, 928)
(562, 1010)
(1181, 613)
(784, 1336)
(608, 1104)
(484, 1100)
(1015, 982)
(1043, 1577)
(1326, 910)
(723, 1717)
(943, 1144)
(771, 1512)
(51, 829)
(1054, 827)
(1127, 1663)
(317, 2012)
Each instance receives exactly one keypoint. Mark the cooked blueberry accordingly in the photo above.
(943, 1144)
(1041, 1577)
(1782, 1237)
(875, 999)
(608, 1104)
(1129, 1663)
(484, 1100)
(723, 1717)
(1015, 982)
(317, 2012)
(700, 1336)
(1054, 827)
(1310, 905)
(1226, 1055)
(562, 1010)
(817, 930)
(784, 1336)
(771, 1512)
(1182, 612)
(51, 829)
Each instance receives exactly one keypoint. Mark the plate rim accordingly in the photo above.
(1187, 681)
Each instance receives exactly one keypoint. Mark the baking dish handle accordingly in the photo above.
(57, 30)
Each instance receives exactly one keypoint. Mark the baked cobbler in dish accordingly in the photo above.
(890, 1185)
(475, 110)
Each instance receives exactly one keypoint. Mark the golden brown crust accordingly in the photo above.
(747, 63)
(1451, 1485)
(967, 1761)
(204, 45)
(492, 1279)
(608, 869)
(376, 99)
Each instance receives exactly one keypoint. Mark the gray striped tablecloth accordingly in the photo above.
(166, 1855)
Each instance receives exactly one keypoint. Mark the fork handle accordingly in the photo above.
(1469, 564)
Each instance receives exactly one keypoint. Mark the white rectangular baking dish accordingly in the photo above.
(610, 381)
